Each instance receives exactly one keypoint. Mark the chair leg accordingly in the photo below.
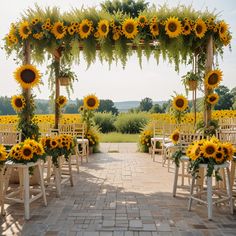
(42, 184)
(175, 180)
(229, 190)
(209, 197)
(70, 171)
(26, 192)
(191, 193)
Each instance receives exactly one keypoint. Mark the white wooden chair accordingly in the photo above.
(10, 138)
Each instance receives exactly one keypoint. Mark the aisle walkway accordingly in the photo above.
(118, 193)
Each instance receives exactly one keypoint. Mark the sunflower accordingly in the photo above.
(154, 29)
(213, 79)
(225, 39)
(24, 30)
(142, 20)
(186, 28)
(129, 28)
(173, 27)
(61, 101)
(209, 149)
(27, 152)
(27, 76)
(180, 103)
(85, 28)
(223, 29)
(103, 28)
(228, 150)
(58, 30)
(91, 102)
(53, 143)
(219, 157)
(175, 137)
(18, 102)
(35, 21)
(213, 98)
(71, 30)
(81, 108)
(3, 153)
(200, 28)
(193, 151)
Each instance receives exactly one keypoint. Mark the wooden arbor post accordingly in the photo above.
(208, 67)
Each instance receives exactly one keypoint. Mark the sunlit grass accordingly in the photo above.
(115, 137)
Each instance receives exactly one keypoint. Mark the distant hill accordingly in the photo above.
(127, 105)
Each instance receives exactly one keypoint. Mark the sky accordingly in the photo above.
(158, 82)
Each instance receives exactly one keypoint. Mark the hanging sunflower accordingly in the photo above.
(173, 27)
(27, 152)
(103, 28)
(213, 78)
(58, 30)
(209, 149)
(223, 29)
(213, 98)
(180, 103)
(3, 153)
(85, 28)
(154, 29)
(27, 76)
(91, 102)
(24, 29)
(142, 20)
(186, 28)
(200, 28)
(61, 101)
(175, 137)
(129, 28)
(18, 103)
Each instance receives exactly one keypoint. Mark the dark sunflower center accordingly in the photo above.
(186, 27)
(26, 30)
(18, 102)
(219, 155)
(47, 143)
(210, 150)
(222, 30)
(28, 76)
(172, 27)
(226, 151)
(85, 28)
(176, 137)
(212, 99)
(61, 101)
(54, 143)
(129, 28)
(60, 29)
(27, 152)
(91, 102)
(179, 102)
(104, 28)
(142, 20)
(199, 29)
(155, 27)
(213, 79)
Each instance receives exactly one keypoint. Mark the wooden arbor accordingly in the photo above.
(170, 34)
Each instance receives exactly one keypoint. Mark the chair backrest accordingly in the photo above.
(185, 139)
(9, 138)
(228, 127)
(79, 130)
(66, 128)
(227, 136)
(8, 127)
(44, 128)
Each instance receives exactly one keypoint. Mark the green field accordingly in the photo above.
(114, 137)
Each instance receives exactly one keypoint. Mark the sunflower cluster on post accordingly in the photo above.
(90, 104)
(27, 76)
(179, 107)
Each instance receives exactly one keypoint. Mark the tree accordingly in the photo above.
(226, 98)
(71, 109)
(145, 104)
(156, 108)
(125, 6)
(107, 106)
(6, 107)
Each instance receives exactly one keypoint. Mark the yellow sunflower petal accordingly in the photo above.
(173, 27)
(91, 102)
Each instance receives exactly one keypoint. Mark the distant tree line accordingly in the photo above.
(227, 101)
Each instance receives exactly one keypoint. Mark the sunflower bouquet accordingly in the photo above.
(145, 139)
(58, 145)
(27, 151)
(211, 152)
(3, 155)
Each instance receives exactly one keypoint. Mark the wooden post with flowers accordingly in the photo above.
(27, 92)
(208, 67)
(57, 56)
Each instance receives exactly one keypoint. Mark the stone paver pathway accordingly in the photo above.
(120, 192)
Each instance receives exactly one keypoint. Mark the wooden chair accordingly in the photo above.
(10, 138)
(82, 147)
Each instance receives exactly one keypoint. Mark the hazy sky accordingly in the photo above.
(132, 83)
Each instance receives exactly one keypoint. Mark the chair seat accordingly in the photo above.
(80, 140)
(161, 139)
(168, 145)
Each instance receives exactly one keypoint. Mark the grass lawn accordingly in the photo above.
(114, 137)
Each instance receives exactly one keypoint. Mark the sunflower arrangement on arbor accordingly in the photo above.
(211, 152)
(27, 151)
(28, 77)
(179, 107)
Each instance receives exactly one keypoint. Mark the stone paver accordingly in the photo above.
(119, 192)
